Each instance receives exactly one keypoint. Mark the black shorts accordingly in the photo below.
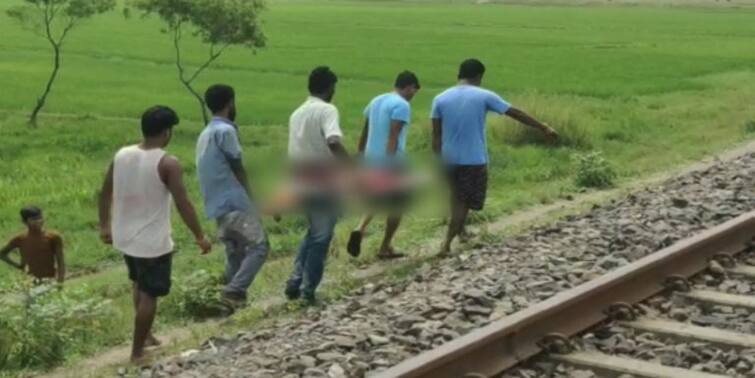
(469, 184)
(152, 276)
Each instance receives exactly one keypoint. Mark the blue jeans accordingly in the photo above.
(246, 249)
(313, 251)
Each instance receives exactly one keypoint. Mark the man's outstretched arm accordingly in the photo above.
(105, 203)
(528, 120)
(172, 175)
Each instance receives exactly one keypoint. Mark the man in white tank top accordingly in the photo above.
(135, 211)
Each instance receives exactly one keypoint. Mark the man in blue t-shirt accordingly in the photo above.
(383, 144)
(227, 198)
(458, 118)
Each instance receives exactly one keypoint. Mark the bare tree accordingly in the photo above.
(219, 24)
(54, 20)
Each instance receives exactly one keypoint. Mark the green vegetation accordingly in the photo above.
(649, 87)
(593, 171)
(44, 325)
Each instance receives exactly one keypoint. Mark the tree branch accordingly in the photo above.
(71, 24)
(181, 71)
(177, 46)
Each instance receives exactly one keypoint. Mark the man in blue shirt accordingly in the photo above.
(458, 118)
(225, 188)
(383, 144)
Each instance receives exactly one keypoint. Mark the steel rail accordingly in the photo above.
(490, 350)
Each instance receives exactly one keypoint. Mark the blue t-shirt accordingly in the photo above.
(380, 113)
(462, 111)
(223, 193)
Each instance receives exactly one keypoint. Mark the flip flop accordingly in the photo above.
(392, 255)
(355, 244)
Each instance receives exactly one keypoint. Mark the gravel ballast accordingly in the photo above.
(378, 326)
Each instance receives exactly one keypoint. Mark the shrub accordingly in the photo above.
(43, 325)
(594, 171)
(197, 296)
(750, 127)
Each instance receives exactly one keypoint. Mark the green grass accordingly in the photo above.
(650, 88)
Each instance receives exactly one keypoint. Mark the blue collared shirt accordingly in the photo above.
(217, 145)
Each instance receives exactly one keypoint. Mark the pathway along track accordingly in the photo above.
(551, 325)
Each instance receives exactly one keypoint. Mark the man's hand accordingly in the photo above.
(204, 245)
(106, 235)
(550, 134)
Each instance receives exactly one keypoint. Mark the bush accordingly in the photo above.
(750, 127)
(594, 171)
(197, 296)
(43, 325)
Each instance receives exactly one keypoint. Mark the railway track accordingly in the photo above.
(628, 300)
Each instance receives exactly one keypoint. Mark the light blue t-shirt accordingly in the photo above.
(381, 112)
(223, 193)
(462, 111)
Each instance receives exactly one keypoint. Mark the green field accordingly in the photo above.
(650, 88)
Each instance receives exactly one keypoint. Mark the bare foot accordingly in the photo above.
(465, 236)
(445, 250)
(140, 360)
(390, 254)
(152, 341)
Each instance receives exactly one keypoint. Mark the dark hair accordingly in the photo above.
(406, 79)
(471, 69)
(30, 212)
(218, 96)
(321, 79)
(158, 119)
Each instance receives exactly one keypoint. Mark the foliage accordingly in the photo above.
(53, 20)
(44, 325)
(218, 23)
(750, 127)
(594, 171)
(196, 296)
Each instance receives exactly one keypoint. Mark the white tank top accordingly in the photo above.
(141, 204)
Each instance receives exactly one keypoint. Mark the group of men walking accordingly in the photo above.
(135, 199)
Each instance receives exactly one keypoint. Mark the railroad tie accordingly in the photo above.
(722, 299)
(692, 332)
(607, 364)
(743, 271)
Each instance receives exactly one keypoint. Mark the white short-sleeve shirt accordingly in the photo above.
(310, 127)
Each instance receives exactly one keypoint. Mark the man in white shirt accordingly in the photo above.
(134, 210)
(315, 147)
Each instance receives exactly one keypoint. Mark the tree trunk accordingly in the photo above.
(43, 98)
(199, 98)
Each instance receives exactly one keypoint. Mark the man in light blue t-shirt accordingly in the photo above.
(458, 117)
(383, 144)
